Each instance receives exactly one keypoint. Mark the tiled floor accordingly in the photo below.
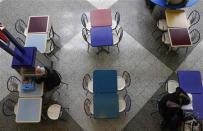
(138, 55)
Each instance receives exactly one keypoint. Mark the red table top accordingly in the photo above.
(179, 37)
(4, 37)
(101, 17)
(38, 24)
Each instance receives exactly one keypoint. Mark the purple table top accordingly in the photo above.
(190, 81)
(198, 105)
(101, 36)
(38, 24)
(179, 37)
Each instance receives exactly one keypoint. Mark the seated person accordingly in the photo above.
(176, 2)
(50, 78)
(170, 108)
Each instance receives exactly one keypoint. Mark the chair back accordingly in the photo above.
(20, 41)
(86, 80)
(195, 36)
(117, 18)
(85, 35)
(127, 78)
(120, 33)
(50, 46)
(87, 107)
(12, 84)
(128, 103)
(8, 107)
(51, 32)
(84, 20)
(20, 26)
(194, 18)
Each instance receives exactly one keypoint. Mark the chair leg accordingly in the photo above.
(159, 47)
(118, 49)
(56, 57)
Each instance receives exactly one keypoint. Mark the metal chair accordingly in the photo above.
(171, 86)
(116, 21)
(118, 37)
(21, 27)
(193, 18)
(50, 48)
(9, 107)
(84, 21)
(86, 37)
(165, 41)
(161, 26)
(12, 84)
(128, 103)
(52, 35)
(20, 41)
(87, 84)
(127, 78)
(87, 107)
(56, 112)
(194, 36)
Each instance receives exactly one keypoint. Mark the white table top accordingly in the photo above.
(38, 92)
(37, 40)
(29, 110)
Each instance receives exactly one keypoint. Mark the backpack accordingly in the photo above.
(191, 124)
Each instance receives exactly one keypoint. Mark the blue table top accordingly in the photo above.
(101, 36)
(163, 3)
(105, 81)
(190, 81)
(105, 105)
(29, 57)
(197, 101)
(37, 40)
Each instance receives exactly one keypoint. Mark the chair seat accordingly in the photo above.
(162, 25)
(172, 85)
(15, 109)
(26, 31)
(122, 105)
(54, 111)
(120, 84)
(165, 38)
(115, 39)
(88, 25)
(49, 47)
(113, 24)
(90, 86)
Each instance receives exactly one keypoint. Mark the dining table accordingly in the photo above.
(101, 37)
(105, 81)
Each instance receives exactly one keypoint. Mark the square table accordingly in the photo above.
(105, 81)
(198, 105)
(101, 36)
(179, 37)
(38, 92)
(38, 24)
(176, 18)
(36, 40)
(190, 81)
(105, 105)
(101, 17)
(29, 110)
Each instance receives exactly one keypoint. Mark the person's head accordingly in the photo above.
(40, 71)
